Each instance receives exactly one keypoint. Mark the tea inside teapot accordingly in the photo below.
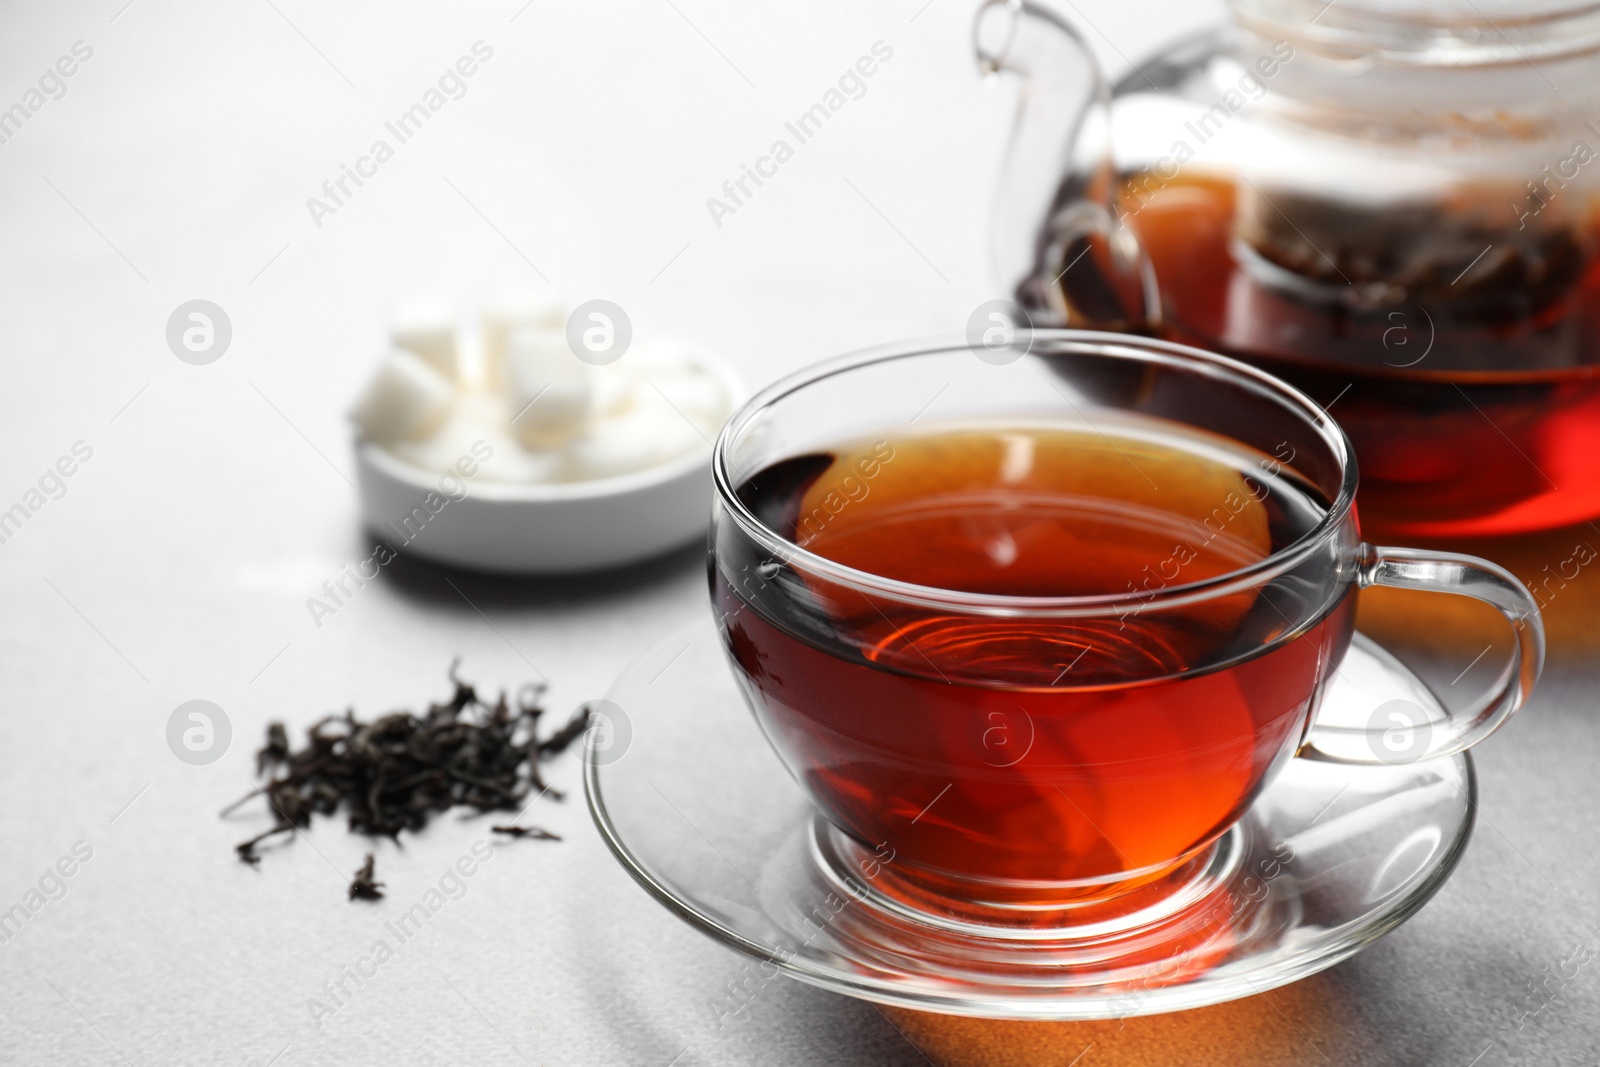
(1383, 212)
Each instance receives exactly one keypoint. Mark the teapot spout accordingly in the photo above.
(1055, 239)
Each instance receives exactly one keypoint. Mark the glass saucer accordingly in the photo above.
(699, 810)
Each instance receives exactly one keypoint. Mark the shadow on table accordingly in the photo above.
(1309, 1022)
(436, 584)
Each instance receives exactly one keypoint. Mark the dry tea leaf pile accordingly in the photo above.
(398, 771)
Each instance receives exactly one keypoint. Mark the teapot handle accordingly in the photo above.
(1057, 244)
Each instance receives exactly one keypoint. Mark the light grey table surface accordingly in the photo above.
(178, 561)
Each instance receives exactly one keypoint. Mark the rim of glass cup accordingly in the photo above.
(1146, 350)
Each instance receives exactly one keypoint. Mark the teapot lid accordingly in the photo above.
(1429, 32)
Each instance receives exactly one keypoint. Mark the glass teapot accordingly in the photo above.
(1392, 204)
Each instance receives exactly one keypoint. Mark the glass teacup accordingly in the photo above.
(1041, 624)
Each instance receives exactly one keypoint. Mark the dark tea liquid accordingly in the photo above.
(1035, 755)
(1493, 430)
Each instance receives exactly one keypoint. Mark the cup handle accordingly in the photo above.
(1408, 735)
